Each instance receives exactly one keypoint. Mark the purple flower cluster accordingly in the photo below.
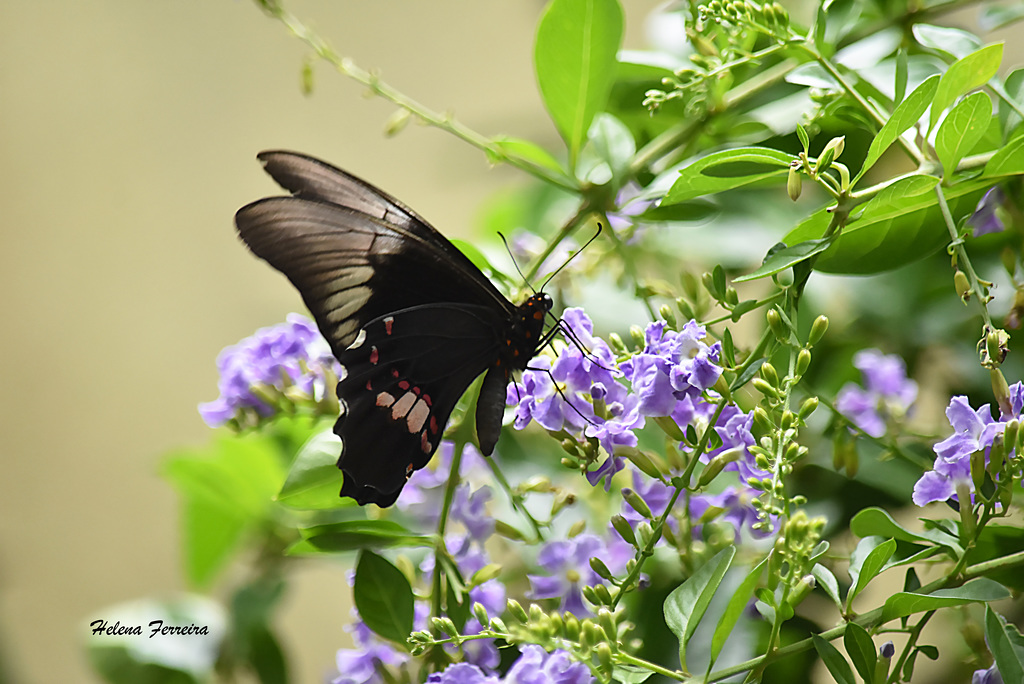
(667, 378)
(566, 564)
(534, 666)
(973, 431)
(887, 392)
(286, 360)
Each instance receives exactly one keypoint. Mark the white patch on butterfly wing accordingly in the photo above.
(360, 338)
(385, 400)
(417, 416)
(403, 406)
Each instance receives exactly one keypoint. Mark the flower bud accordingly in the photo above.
(616, 343)
(443, 625)
(621, 525)
(762, 421)
(572, 627)
(765, 388)
(804, 587)
(485, 574)
(498, 625)
(602, 595)
(803, 361)
(1011, 434)
(604, 655)
(808, 407)
(1001, 391)
(642, 461)
(666, 314)
(769, 373)
(794, 181)
(606, 619)
(962, 285)
(396, 122)
(598, 566)
(563, 498)
(637, 503)
(505, 530)
(480, 613)
(778, 328)
(577, 528)
(818, 329)
(516, 610)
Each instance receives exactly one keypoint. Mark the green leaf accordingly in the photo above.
(875, 521)
(964, 75)
(383, 597)
(574, 56)
(736, 607)
(784, 258)
(900, 225)
(611, 142)
(1008, 161)
(861, 650)
(314, 479)
(1006, 644)
(979, 590)
(474, 254)
(828, 583)
(727, 170)
(834, 661)
(999, 541)
(225, 488)
(908, 113)
(996, 17)
(252, 609)
(686, 605)
(350, 535)
(953, 42)
(961, 130)
(630, 674)
(866, 561)
(529, 151)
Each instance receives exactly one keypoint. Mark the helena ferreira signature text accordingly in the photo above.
(101, 627)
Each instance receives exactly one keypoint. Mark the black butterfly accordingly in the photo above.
(408, 316)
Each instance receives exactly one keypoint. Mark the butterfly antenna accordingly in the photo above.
(513, 258)
(572, 256)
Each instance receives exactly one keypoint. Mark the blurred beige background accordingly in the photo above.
(128, 135)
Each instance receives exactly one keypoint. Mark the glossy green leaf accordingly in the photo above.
(828, 583)
(630, 674)
(784, 258)
(314, 480)
(867, 560)
(727, 170)
(574, 56)
(961, 130)
(736, 607)
(834, 661)
(686, 605)
(980, 590)
(350, 535)
(901, 225)
(861, 650)
(383, 597)
(908, 113)
(875, 521)
(953, 42)
(1006, 644)
(963, 76)
(1008, 161)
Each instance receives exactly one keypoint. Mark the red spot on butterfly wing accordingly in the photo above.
(388, 322)
(425, 443)
(404, 384)
(374, 355)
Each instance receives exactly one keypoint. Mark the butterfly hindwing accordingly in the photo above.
(399, 386)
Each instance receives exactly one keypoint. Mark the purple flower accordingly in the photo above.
(423, 496)
(359, 665)
(973, 431)
(537, 666)
(733, 506)
(733, 428)
(567, 564)
(887, 392)
(985, 220)
(462, 673)
(989, 676)
(533, 666)
(290, 360)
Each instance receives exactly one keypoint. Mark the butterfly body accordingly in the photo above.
(411, 319)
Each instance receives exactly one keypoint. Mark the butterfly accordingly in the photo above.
(409, 317)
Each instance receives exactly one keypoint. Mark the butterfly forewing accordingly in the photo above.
(431, 321)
